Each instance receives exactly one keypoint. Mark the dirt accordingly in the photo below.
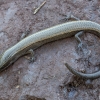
(47, 78)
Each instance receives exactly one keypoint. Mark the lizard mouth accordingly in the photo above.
(3, 65)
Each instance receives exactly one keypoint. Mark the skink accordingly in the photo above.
(50, 34)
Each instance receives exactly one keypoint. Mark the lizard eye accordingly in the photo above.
(0, 57)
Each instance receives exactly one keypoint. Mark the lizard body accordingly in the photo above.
(37, 39)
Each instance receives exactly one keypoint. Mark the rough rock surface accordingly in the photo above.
(48, 77)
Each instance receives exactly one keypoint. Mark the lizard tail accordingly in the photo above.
(83, 75)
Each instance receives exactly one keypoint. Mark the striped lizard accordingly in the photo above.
(57, 32)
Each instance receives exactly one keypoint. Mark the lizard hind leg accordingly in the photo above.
(69, 17)
(25, 34)
(81, 46)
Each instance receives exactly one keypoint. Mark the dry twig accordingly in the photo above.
(37, 9)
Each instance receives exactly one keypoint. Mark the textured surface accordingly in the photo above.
(47, 76)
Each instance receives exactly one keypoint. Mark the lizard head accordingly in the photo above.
(5, 61)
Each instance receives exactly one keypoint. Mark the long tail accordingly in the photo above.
(83, 75)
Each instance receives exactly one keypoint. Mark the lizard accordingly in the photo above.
(57, 32)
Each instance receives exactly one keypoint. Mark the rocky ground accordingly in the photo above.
(48, 78)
